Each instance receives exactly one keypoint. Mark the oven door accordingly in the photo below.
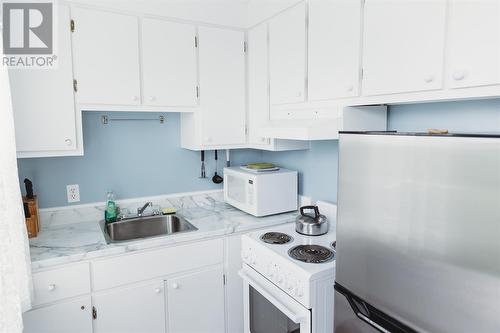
(268, 309)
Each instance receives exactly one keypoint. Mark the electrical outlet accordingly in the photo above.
(73, 192)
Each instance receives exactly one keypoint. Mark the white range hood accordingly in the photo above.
(364, 118)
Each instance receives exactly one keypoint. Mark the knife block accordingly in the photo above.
(32, 222)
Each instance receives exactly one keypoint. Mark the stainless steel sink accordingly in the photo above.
(143, 227)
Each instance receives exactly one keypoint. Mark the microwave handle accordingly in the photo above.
(296, 318)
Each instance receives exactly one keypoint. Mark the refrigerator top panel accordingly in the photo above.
(418, 229)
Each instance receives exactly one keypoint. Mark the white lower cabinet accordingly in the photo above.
(73, 316)
(173, 289)
(136, 308)
(234, 285)
(195, 302)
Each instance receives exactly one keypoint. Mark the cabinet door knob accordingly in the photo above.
(152, 98)
(209, 139)
(51, 287)
(458, 75)
(157, 290)
(350, 88)
(429, 78)
(136, 98)
(68, 142)
(175, 285)
(299, 94)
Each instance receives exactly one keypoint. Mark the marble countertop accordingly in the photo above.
(74, 234)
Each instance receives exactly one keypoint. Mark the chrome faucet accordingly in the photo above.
(143, 208)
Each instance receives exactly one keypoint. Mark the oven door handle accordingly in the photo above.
(293, 315)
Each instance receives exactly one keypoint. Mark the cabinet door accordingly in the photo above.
(195, 302)
(474, 51)
(43, 100)
(169, 63)
(63, 317)
(234, 285)
(287, 56)
(403, 46)
(106, 57)
(334, 48)
(258, 83)
(222, 86)
(137, 308)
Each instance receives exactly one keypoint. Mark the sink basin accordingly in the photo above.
(143, 227)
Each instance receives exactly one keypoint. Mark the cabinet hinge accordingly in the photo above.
(72, 25)
(94, 313)
(195, 41)
(245, 47)
(197, 92)
(224, 279)
(75, 85)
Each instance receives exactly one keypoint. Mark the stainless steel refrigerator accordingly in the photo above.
(418, 233)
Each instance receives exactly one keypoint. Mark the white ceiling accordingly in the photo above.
(233, 13)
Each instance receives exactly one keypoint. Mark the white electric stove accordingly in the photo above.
(288, 281)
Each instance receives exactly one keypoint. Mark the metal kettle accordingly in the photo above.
(311, 225)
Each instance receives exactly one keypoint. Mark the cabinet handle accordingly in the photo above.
(458, 75)
(350, 88)
(157, 290)
(429, 78)
(136, 98)
(51, 287)
(152, 98)
(299, 94)
(68, 142)
(175, 285)
(209, 139)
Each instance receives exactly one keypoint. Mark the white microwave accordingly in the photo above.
(261, 193)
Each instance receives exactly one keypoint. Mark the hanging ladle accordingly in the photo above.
(216, 178)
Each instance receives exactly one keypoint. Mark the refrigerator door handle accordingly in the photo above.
(372, 316)
(370, 322)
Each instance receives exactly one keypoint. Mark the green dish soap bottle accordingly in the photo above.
(110, 213)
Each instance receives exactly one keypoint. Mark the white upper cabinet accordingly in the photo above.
(474, 51)
(169, 64)
(222, 86)
(106, 57)
(287, 56)
(43, 102)
(258, 83)
(403, 46)
(334, 48)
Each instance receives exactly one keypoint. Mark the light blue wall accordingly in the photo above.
(467, 116)
(141, 159)
(131, 158)
(318, 166)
